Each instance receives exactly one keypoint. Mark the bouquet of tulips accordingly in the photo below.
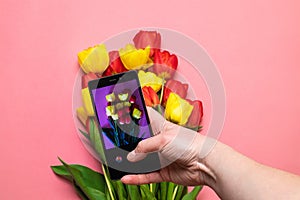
(156, 69)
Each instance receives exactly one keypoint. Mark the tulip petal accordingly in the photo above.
(87, 102)
(147, 38)
(136, 113)
(150, 96)
(165, 64)
(150, 79)
(177, 109)
(86, 78)
(115, 64)
(176, 87)
(81, 114)
(110, 97)
(94, 59)
(123, 96)
(110, 110)
(196, 115)
(134, 59)
(115, 116)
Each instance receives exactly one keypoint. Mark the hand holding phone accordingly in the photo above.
(123, 122)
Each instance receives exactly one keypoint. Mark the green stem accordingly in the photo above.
(162, 90)
(175, 191)
(163, 190)
(151, 187)
(180, 192)
(170, 190)
(107, 183)
(117, 134)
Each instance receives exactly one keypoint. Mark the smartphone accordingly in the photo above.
(123, 122)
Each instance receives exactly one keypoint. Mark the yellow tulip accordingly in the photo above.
(134, 59)
(81, 114)
(178, 110)
(87, 102)
(137, 113)
(110, 97)
(94, 59)
(150, 79)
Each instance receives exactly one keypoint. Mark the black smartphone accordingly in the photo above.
(123, 122)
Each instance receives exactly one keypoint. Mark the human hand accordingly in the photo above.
(179, 151)
(230, 174)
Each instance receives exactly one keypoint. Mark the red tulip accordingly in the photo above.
(196, 115)
(125, 119)
(150, 96)
(86, 78)
(121, 113)
(116, 66)
(132, 99)
(147, 38)
(165, 64)
(176, 87)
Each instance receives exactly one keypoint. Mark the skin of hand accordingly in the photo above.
(230, 174)
(179, 151)
(241, 178)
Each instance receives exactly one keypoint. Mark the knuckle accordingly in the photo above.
(148, 177)
(164, 139)
(140, 147)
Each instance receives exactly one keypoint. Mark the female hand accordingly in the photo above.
(179, 151)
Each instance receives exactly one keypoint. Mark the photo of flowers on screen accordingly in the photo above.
(121, 114)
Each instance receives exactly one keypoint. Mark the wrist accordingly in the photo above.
(228, 167)
(212, 155)
(205, 147)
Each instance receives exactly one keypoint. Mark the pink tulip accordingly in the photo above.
(147, 38)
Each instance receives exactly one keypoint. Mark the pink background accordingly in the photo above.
(255, 45)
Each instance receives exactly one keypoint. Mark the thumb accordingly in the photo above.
(144, 147)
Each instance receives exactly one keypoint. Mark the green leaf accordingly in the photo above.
(133, 192)
(193, 194)
(80, 192)
(184, 192)
(153, 188)
(158, 195)
(146, 193)
(89, 181)
(121, 192)
(163, 190)
(94, 194)
(86, 135)
(96, 140)
(107, 194)
(197, 128)
(170, 192)
(159, 108)
(179, 192)
(62, 171)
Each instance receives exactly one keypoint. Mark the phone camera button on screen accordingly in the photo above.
(119, 159)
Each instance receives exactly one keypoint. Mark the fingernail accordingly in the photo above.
(131, 156)
(125, 179)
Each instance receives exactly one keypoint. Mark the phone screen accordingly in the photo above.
(122, 116)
